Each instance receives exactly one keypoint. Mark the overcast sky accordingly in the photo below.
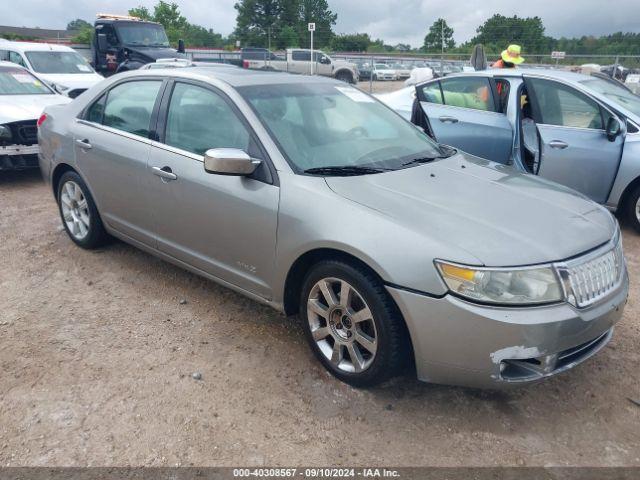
(395, 21)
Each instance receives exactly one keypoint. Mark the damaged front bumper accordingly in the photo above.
(18, 157)
(457, 342)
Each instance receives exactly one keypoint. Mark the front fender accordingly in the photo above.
(312, 216)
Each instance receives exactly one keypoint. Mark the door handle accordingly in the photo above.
(559, 144)
(84, 144)
(446, 119)
(164, 172)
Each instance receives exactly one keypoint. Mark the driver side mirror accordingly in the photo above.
(103, 46)
(229, 161)
(181, 46)
(613, 128)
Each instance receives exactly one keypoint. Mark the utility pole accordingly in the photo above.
(312, 28)
(442, 47)
(269, 48)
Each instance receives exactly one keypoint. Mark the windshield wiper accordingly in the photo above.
(418, 160)
(343, 170)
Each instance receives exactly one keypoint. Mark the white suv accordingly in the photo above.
(64, 69)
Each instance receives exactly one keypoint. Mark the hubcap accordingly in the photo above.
(342, 325)
(638, 210)
(75, 210)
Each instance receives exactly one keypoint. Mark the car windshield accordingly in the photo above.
(614, 92)
(58, 62)
(143, 34)
(381, 66)
(319, 125)
(17, 81)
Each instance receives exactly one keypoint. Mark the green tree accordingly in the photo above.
(177, 26)
(318, 12)
(81, 29)
(355, 42)
(257, 20)
(141, 12)
(78, 24)
(500, 31)
(440, 34)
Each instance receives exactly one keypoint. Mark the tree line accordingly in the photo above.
(280, 24)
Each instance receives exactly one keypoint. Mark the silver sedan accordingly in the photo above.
(311, 196)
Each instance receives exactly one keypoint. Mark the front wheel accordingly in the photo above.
(352, 325)
(633, 208)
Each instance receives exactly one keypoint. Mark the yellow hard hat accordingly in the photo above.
(512, 55)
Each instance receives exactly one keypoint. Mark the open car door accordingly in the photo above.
(575, 148)
(464, 112)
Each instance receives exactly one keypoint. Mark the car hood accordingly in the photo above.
(477, 209)
(72, 80)
(16, 108)
(153, 53)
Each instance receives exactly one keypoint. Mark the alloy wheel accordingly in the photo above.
(638, 210)
(342, 325)
(75, 210)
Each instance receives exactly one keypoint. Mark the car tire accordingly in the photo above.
(633, 208)
(361, 340)
(78, 212)
(344, 77)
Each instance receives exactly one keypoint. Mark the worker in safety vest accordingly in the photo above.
(510, 58)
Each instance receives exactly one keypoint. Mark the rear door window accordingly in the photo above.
(129, 106)
(301, 55)
(468, 92)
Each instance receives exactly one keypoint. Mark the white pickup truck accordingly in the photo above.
(298, 60)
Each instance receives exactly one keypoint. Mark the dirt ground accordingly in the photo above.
(97, 352)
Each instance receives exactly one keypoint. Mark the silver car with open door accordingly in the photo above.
(580, 131)
(311, 196)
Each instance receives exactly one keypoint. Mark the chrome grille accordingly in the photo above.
(593, 277)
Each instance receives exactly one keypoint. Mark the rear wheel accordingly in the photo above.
(351, 324)
(344, 77)
(79, 213)
(633, 208)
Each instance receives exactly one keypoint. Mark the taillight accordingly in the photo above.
(245, 64)
(41, 120)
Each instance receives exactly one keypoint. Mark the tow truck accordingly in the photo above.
(124, 42)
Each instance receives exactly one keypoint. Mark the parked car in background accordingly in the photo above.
(382, 71)
(298, 60)
(310, 196)
(183, 63)
(364, 69)
(633, 83)
(22, 99)
(402, 71)
(64, 69)
(580, 131)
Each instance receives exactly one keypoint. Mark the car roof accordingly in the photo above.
(565, 75)
(235, 77)
(35, 47)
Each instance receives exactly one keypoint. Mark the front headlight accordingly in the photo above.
(517, 286)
